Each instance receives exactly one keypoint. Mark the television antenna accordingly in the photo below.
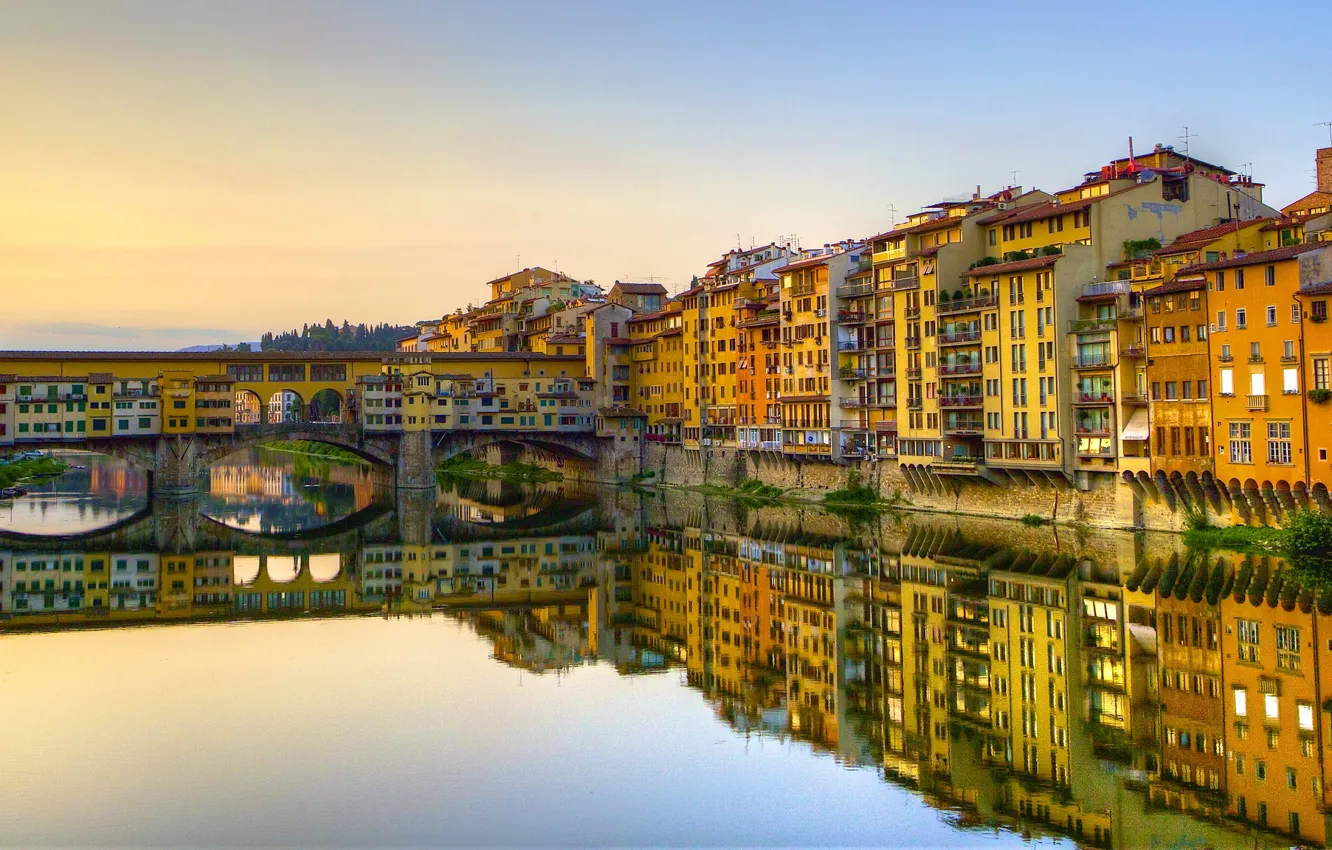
(1328, 125)
(892, 215)
(1185, 139)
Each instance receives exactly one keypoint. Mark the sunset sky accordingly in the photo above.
(178, 172)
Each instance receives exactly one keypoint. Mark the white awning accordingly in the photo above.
(1136, 429)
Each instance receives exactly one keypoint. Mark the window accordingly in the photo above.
(1240, 449)
(1304, 712)
(1320, 370)
(1295, 314)
(1227, 382)
(1278, 443)
(1290, 381)
(1241, 702)
(1220, 320)
(1271, 315)
(1241, 319)
(1269, 276)
(1255, 351)
(1271, 707)
(1239, 278)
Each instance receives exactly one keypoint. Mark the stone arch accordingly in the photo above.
(1300, 493)
(245, 570)
(214, 451)
(1254, 497)
(285, 407)
(282, 569)
(327, 407)
(324, 567)
(1148, 485)
(249, 408)
(1285, 497)
(559, 447)
(1320, 496)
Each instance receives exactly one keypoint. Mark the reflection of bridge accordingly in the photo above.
(414, 517)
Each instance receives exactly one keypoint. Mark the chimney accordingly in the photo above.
(1323, 162)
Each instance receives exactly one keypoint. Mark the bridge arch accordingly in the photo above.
(285, 407)
(326, 407)
(344, 438)
(556, 446)
(249, 408)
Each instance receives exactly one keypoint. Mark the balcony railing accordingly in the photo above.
(1113, 287)
(884, 401)
(852, 345)
(960, 369)
(912, 372)
(958, 337)
(853, 290)
(913, 342)
(904, 283)
(851, 403)
(1081, 431)
(963, 305)
(915, 403)
(1093, 361)
(1135, 349)
(1256, 402)
(852, 374)
(1093, 398)
(1091, 325)
(964, 426)
(852, 317)
(961, 401)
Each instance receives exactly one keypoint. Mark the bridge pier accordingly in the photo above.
(415, 464)
(178, 465)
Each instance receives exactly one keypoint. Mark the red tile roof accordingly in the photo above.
(1015, 266)
(1320, 288)
(1034, 212)
(1194, 239)
(812, 262)
(1273, 256)
(1179, 284)
(640, 288)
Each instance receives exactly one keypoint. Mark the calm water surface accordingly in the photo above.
(492, 664)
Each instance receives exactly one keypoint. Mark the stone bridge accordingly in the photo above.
(176, 462)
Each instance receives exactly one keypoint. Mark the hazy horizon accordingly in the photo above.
(182, 173)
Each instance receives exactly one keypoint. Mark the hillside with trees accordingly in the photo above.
(331, 337)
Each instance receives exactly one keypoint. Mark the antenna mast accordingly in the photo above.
(1328, 125)
(1185, 138)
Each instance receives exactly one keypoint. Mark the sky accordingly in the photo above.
(180, 172)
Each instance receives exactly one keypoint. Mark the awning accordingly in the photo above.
(1136, 429)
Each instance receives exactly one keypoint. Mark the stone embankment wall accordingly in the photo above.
(1113, 505)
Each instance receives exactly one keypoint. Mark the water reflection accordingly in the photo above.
(1112, 689)
(279, 492)
(95, 491)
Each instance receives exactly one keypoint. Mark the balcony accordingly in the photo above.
(1093, 361)
(1083, 326)
(961, 401)
(962, 336)
(1093, 398)
(1091, 431)
(852, 374)
(901, 284)
(912, 342)
(911, 312)
(1256, 402)
(964, 426)
(855, 290)
(884, 402)
(805, 288)
(821, 312)
(1096, 451)
(851, 403)
(965, 305)
(1134, 398)
(915, 403)
(1135, 349)
(1107, 289)
(912, 372)
(852, 345)
(852, 317)
(960, 369)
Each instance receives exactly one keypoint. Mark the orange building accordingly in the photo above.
(1259, 408)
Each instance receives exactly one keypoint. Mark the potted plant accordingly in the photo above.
(1319, 395)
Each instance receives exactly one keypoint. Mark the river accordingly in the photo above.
(303, 656)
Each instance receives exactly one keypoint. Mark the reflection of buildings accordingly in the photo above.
(1178, 701)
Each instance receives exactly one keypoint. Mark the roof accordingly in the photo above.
(100, 377)
(619, 412)
(1178, 284)
(806, 397)
(919, 227)
(1197, 238)
(640, 288)
(210, 379)
(1321, 288)
(1273, 256)
(1035, 212)
(53, 379)
(275, 356)
(1015, 266)
(645, 317)
(812, 262)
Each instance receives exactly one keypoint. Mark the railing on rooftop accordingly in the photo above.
(854, 290)
(1109, 287)
(962, 305)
